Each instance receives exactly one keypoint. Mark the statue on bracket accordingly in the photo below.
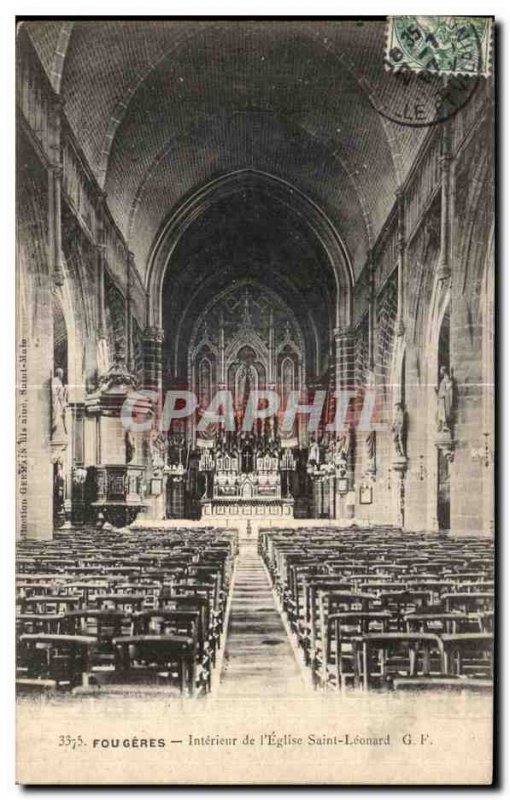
(399, 430)
(444, 394)
(370, 443)
(59, 403)
(315, 455)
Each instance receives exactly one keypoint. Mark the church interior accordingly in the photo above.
(220, 206)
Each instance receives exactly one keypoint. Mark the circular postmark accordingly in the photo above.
(433, 66)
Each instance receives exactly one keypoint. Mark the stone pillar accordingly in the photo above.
(401, 264)
(420, 492)
(78, 471)
(55, 199)
(344, 381)
(55, 223)
(34, 374)
(371, 315)
(129, 319)
(223, 379)
(152, 358)
(100, 301)
(344, 360)
(444, 261)
(271, 365)
(468, 466)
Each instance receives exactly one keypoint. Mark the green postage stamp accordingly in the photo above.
(441, 45)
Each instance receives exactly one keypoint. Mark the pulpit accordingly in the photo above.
(119, 482)
(120, 492)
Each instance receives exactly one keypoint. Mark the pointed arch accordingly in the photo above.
(302, 207)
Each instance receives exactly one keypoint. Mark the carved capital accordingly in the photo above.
(400, 328)
(56, 170)
(342, 335)
(154, 334)
(444, 273)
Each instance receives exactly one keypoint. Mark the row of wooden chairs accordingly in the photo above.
(377, 608)
(137, 607)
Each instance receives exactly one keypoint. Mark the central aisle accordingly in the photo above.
(258, 659)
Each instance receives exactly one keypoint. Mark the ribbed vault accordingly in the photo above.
(162, 107)
(247, 227)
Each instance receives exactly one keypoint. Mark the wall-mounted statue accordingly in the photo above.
(444, 393)
(177, 449)
(315, 454)
(59, 405)
(341, 454)
(158, 446)
(399, 430)
(370, 444)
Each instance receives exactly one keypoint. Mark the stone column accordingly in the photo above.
(401, 264)
(444, 262)
(34, 454)
(55, 223)
(223, 379)
(78, 470)
(55, 199)
(344, 381)
(152, 358)
(344, 362)
(100, 301)
(371, 314)
(337, 333)
(129, 319)
(271, 377)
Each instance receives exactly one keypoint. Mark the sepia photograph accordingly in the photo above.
(255, 400)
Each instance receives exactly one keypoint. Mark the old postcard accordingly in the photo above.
(255, 400)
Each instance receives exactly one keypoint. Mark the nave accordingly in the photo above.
(186, 611)
(240, 219)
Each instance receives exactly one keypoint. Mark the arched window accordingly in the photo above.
(205, 382)
(287, 375)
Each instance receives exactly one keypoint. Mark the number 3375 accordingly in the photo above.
(72, 742)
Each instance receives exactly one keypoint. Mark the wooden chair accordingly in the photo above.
(64, 658)
(127, 603)
(468, 654)
(343, 627)
(159, 655)
(401, 648)
(439, 622)
(40, 623)
(468, 601)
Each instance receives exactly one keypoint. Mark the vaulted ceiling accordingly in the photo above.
(162, 107)
(249, 237)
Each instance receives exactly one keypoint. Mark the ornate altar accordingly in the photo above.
(246, 340)
(244, 478)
